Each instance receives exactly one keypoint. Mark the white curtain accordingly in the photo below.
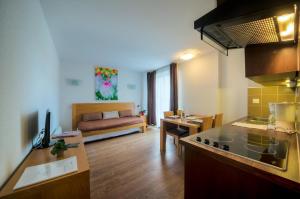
(162, 92)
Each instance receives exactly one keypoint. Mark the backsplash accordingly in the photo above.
(259, 99)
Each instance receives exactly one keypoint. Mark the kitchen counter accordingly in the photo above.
(289, 178)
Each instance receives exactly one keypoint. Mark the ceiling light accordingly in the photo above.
(286, 25)
(187, 56)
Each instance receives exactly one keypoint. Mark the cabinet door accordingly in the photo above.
(269, 59)
(219, 2)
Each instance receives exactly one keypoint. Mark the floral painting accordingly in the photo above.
(106, 83)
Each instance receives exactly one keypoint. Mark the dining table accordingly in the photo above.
(193, 123)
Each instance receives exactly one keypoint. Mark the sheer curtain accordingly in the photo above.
(162, 93)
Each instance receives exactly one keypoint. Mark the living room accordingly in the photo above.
(131, 81)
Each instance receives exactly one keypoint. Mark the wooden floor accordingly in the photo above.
(132, 166)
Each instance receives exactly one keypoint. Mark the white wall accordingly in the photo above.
(212, 83)
(198, 84)
(85, 90)
(29, 70)
(233, 85)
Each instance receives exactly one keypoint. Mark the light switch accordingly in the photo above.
(255, 101)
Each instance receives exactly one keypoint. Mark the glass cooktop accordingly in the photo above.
(261, 148)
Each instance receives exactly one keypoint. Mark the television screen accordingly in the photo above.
(46, 138)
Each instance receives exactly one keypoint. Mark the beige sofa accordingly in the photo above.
(88, 118)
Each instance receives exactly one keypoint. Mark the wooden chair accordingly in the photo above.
(179, 112)
(176, 132)
(218, 120)
(207, 123)
(168, 113)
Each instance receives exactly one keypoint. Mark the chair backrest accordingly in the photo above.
(168, 113)
(207, 123)
(218, 120)
(179, 112)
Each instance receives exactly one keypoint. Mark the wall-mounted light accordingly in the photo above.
(187, 56)
(285, 18)
(73, 82)
(298, 83)
(131, 86)
(286, 25)
(291, 83)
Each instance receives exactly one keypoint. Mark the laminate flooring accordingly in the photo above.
(132, 166)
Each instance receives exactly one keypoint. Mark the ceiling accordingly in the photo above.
(140, 35)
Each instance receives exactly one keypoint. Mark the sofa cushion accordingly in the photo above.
(110, 115)
(125, 113)
(108, 123)
(92, 116)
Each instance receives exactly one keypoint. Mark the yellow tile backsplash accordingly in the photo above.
(254, 111)
(265, 112)
(286, 98)
(254, 91)
(259, 99)
(266, 99)
(282, 90)
(270, 90)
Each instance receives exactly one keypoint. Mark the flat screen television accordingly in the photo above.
(46, 138)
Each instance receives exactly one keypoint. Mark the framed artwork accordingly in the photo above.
(106, 83)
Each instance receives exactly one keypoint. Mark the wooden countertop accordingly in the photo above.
(289, 178)
(41, 156)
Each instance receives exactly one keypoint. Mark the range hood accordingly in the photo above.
(239, 23)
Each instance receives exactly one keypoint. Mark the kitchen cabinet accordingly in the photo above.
(209, 176)
(244, 168)
(267, 63)
(219, 2)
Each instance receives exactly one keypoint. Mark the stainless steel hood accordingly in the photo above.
(239, 23)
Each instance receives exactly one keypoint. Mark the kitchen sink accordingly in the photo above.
(259, 121)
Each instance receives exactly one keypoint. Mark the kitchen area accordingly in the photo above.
(257, 156)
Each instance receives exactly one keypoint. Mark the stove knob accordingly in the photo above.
(206, 141)
(216, 144)
(198, 139)
(226, 147)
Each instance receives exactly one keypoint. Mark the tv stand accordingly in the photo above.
(50, 145)
(74, 185)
